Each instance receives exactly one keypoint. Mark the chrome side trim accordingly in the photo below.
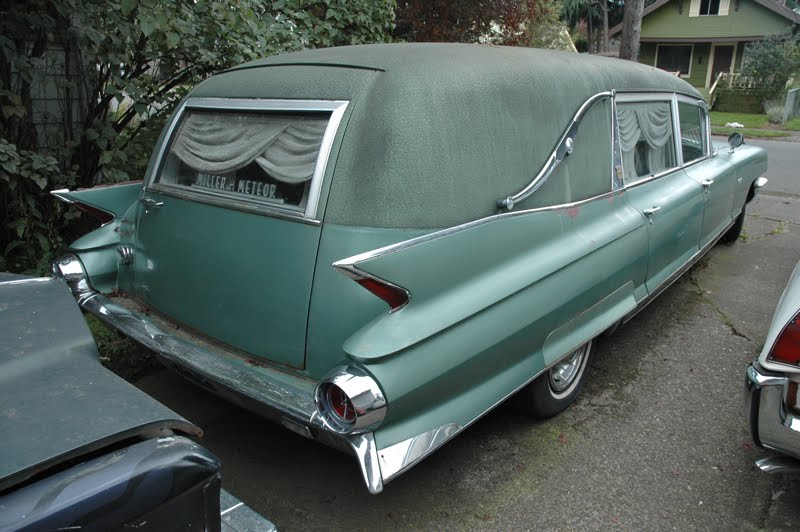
(397, 458)
(666, 283)
(348, 264)
(563, 148)
(335, 107)
(32, 280)
(364, 393)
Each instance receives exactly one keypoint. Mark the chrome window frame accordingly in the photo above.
(643, 97)
(704, 124)
(336, 108)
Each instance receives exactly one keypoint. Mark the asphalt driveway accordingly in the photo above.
(657, 439)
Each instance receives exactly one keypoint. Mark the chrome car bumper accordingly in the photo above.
(772, 425)
(284, 398)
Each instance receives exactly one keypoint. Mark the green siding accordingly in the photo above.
(647, 53)
(739, 56)
(751, 19)
(700, 58)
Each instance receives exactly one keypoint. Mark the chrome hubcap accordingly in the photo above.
(563, 374)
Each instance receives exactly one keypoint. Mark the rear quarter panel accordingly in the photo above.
(493, 305)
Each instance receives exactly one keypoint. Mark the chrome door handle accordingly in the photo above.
(707, 182)
(149, 202)
(649, 212)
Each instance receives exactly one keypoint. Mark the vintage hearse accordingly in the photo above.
(509, 205)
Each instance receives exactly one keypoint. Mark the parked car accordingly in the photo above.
(772, 404)
(509, 205)
(82, 448)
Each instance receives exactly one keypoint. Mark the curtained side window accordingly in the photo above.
(693, 135)
(646, 139)
(257, 157)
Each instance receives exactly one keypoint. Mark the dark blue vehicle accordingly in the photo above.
(80, 448)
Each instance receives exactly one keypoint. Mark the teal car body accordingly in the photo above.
(509, 205)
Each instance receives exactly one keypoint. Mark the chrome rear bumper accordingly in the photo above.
(274, 394)
(772, 425)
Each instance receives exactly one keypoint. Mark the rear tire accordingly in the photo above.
(733, 234)
(558, 387)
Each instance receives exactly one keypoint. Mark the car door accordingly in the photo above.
(715, 174)
(669, 200)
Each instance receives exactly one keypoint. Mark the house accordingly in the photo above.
(701, 38)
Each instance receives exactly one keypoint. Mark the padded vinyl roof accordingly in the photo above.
(436, 133)
(471, 61)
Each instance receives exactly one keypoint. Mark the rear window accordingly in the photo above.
(252, 157)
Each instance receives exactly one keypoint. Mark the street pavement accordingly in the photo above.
(657, 439)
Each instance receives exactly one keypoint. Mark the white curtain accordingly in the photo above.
(651, 122)
(217, 143)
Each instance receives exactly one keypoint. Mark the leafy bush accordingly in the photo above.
(773, 61)
(116, 69)
(774, 111)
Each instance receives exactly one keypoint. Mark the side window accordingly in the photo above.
(692, 131)
(585, 173)
(646, 139)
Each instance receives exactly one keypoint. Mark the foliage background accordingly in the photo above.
(122, 66)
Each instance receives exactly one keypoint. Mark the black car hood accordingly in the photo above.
(57, 402)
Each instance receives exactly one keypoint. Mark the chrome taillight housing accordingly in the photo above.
(349, 400)
(786, 349)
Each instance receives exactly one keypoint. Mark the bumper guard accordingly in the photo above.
(771, 424)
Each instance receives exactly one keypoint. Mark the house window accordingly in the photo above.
(674, 58)
(704, 8)
(709, 7)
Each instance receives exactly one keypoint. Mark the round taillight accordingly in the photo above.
(340, 404)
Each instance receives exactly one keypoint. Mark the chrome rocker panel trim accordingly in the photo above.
(771, 424)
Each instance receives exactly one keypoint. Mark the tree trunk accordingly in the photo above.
(604, 7)
(631, 30)
(590, 33)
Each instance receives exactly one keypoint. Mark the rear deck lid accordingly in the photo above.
(228, 231)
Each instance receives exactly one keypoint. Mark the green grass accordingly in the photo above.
(793, 124)
(747, 120)
(762, 133)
